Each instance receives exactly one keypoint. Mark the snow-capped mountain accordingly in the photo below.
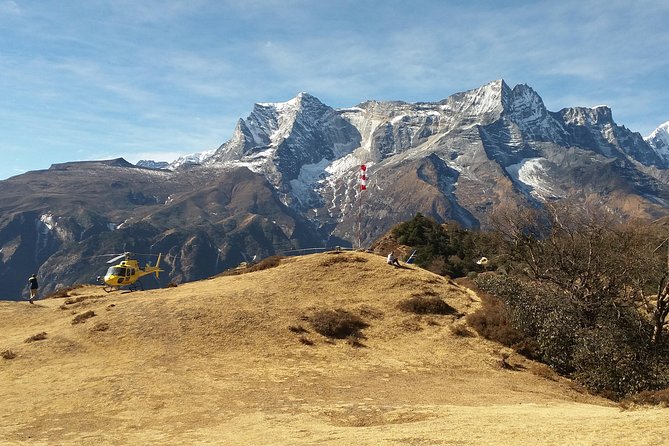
(659, 141)
(289, 177)
(478, 144)
(192, 159)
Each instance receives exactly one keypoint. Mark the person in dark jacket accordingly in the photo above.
(33, 287)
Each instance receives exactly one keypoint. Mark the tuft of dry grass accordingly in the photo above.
(370, 312)
(61, 293)
(80, 318)
(335, 259)
(75, 300)
(8, 354)
(306, 341)
(426, 305)
(649, 398)
(462, 331)
(354, 341)
(266, 263)
(544, 371)
(37, 337)
(338, 324)
(100, 326)
(506, 365)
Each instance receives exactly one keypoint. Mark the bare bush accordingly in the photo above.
(492, 321)
(426, 305)
(339, 324)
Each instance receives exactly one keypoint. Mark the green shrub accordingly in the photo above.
(606, 362)
(444, 249)
(606, 351)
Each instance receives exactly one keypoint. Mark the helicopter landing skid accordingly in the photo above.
(137, 286)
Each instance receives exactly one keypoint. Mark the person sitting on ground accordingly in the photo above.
(392, 260)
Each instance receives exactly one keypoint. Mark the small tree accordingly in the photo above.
(596, 261)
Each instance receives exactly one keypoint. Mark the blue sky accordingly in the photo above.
(99, 79)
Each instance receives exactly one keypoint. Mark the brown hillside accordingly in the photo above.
(236, 360)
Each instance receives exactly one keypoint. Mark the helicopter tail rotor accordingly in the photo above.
(158, 265)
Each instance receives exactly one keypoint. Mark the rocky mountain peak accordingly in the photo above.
(523, 99)
(482, 105)
(659, 140)
(595, 116)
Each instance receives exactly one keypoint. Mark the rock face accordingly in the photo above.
(60, 222)
(289, 178)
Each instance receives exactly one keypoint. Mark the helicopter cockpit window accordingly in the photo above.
(117, 271)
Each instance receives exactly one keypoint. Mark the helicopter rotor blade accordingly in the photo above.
(116, 258)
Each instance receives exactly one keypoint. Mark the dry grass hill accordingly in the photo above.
(237, 360)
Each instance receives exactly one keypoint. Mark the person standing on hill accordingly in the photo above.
(33, 287)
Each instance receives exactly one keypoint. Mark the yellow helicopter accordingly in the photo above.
(127, 273)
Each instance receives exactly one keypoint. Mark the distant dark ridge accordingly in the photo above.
(117, 162)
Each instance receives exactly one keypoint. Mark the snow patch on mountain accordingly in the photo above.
(254, 161)
(303, 185)
(151, 164)
(47, 221)
(532, 173)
